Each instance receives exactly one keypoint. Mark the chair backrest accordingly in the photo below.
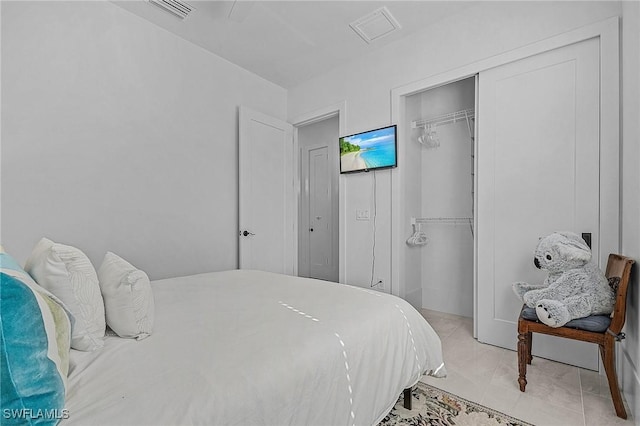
(619, 266)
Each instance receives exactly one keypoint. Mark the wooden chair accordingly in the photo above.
(618, 272)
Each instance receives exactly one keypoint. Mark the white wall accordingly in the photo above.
(412, 196)
(482, 31)
(117, 135)
(630, 353)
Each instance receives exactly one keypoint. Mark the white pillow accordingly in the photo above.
(67, 273)
(128, 299)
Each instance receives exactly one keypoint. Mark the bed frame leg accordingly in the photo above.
(407, 398)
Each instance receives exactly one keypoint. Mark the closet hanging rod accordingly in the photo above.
(415, 220)
(440, 120)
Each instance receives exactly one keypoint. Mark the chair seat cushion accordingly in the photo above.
(595, 323)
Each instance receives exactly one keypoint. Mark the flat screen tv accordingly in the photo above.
(371, 150)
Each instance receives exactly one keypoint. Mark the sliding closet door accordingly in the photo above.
(538, 172)
(267, 208)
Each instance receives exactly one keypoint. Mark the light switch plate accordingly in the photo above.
(362, 214)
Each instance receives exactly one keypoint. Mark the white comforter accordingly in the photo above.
(249, 347)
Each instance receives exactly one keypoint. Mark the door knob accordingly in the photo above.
(311, 229)
(246, 233)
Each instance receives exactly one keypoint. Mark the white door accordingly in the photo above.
(319, 220)
(538, 172)
(267, 197)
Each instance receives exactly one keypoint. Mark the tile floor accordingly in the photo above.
(557, 394)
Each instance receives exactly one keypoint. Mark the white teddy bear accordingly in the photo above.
(575, 287)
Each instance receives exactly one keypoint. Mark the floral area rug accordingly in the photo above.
(432, 406)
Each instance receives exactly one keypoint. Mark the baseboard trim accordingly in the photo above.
(630, 384)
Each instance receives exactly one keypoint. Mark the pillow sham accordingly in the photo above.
(67, 273)
(35, 337)
(128, 299)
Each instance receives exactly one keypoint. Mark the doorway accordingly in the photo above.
(440, 128)
(318, 232)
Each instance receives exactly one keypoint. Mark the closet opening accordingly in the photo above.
(439, 126)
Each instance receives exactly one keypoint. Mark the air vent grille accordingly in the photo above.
(375, 25)
(175, 7)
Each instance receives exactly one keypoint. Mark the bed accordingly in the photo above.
(236, 347)
(249, 347)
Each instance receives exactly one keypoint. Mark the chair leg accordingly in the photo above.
(528, 341)
(524, 352)
(607, 351)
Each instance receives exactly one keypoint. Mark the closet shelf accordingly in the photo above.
(415, 220)
(452, 117)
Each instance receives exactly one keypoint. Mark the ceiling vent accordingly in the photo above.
(375, 25)
(175, 7)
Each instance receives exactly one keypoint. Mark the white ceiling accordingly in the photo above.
(288, 42)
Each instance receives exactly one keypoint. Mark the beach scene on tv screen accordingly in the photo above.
(368, 150)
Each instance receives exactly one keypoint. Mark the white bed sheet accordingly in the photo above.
(249, 347)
